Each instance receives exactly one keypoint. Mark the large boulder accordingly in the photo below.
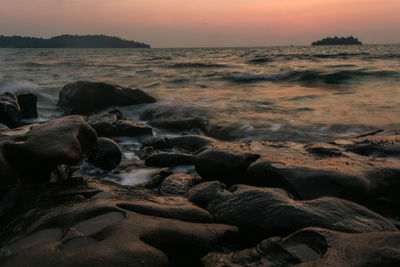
(90, 222)
(84, 97)
(106, 155)
(32, 152)
(316, 247)
(272, 211)
(10, 112)
(111, 123)
(226, 166)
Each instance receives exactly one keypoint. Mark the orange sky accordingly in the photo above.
(191, 23)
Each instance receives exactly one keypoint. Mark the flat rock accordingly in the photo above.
(316, 247)
(336, 168)
(129, 228)
(111, 123)
(272, 211)
(83, 97)
(189, 143)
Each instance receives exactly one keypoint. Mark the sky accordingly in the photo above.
(206, 23)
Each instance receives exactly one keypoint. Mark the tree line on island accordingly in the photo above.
(338, 41)
(69, 41)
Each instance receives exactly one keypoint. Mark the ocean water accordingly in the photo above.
(272, 93)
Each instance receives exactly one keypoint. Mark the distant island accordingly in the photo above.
(338, 41)
(69, 41)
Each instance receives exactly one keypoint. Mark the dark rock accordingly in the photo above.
(316, 247)
(27, 103)
(3, 128)
(111, 123)
(10, 112)
(106, 155)
(222, 165)
(178, 118)
(169, 159)
(272, 211)
(146, 152)
(67, 224)
(307, 174)
(190, 143)
(178, 183)
(83, 97)
(32, 152)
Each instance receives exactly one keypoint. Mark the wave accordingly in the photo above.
(260, 60)
(197, 65)
(17, 86)
(310, 77)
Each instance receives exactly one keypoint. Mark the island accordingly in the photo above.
(69, 41)
(338, 41)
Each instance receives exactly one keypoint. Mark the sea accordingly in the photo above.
(296, 93)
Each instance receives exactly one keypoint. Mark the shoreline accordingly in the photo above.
(252, 202)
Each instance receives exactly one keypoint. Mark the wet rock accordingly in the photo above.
(84, 97)
(27, 103)
(178, 183)
(106, 155)
(222, 165)
(307, 175)
(190, 143)
(10, 112)
(129, 228)
(272, 211)
(111, 123)
(145, 152)
(32, 152)
(169, 159)
(316, 247)
(3, 128)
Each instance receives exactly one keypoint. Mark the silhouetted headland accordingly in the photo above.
(338, 41)
(69, 41)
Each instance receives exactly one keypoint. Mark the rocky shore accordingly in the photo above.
(253, 203)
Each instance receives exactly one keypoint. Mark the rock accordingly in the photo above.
(272, 211)
(316, 247)
(27, 103)
(181, 118)
(169, 159)
(329, 170)
(111, 123)
(223, 165)
(146, 152)
(106, 155)
(84, 97)
(3, 128)
(32, 152)
(190, 143)
(77, 228)
(10, 112)
(178, 183)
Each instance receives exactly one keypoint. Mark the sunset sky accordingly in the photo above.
(196, 23)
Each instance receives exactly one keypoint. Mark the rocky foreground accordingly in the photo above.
(254, 203)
